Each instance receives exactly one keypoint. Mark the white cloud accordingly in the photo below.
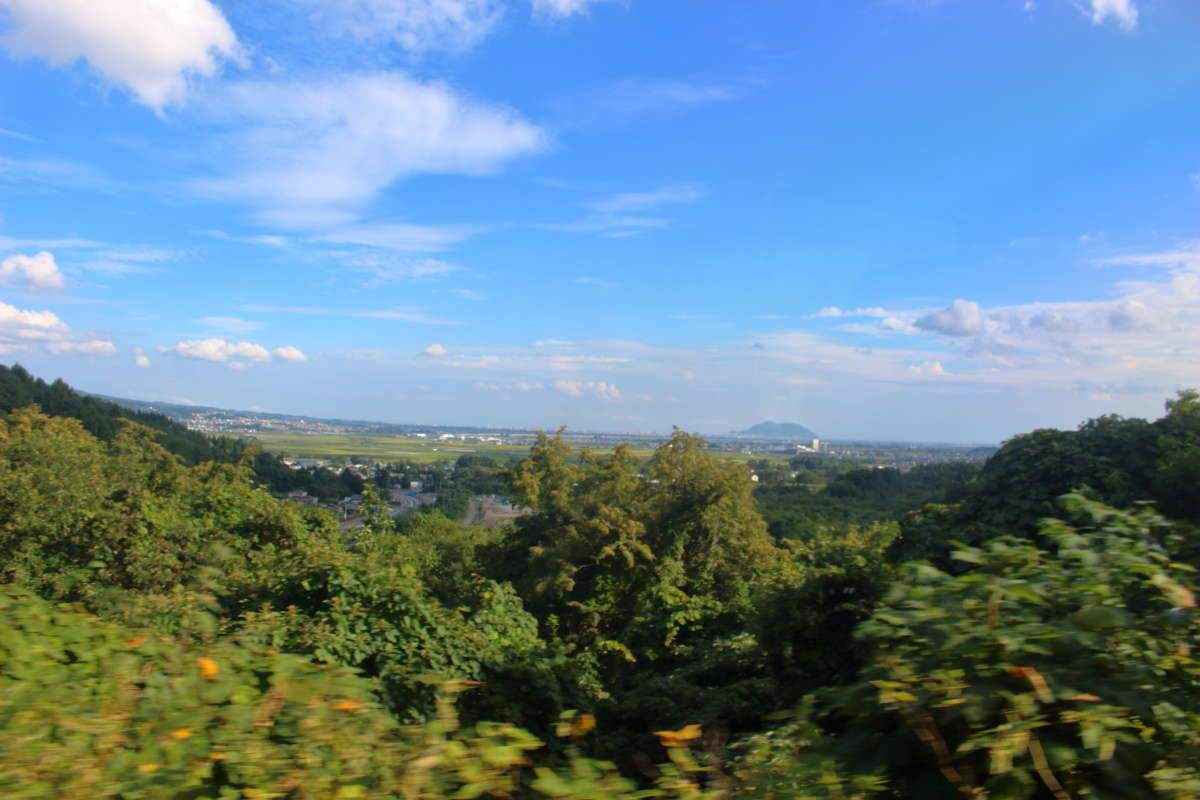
(237, 353)
(1150, 327)
(561, 8)
(961, 318)
(929, 368)
(436, 351)
(140, 359)
(417, 26)
(218, 350)
(289, 353)
(313, 154)
(149, 46)
(601, 389)
(31, 272)
(1123, 12)
(22, 330)
(12, 317)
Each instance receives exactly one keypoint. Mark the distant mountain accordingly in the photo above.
(778, 430)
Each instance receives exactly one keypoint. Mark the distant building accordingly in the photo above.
(301, 496)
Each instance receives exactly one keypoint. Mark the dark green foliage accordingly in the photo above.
(860, 496)
(806, 627)
(1115, 460)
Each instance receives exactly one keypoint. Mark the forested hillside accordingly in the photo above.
(171, 630)
(104, 419)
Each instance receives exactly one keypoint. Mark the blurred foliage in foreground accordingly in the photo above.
(93, 709)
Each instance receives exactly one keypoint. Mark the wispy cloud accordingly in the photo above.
(126, 260)
(54, 172)
(600, 389)
(402, 237)
(96, 256)
(561, 8)
(596, 283)
(834, 312)
(417, 26)
(382, 268)
(234, 326)
(632, 213)
(636, 202)
(1122, 12)
(13, 243)
(407, 315)
(401, 314)
(21, 137)
(269, 309)
(314, 154)
(629, 99)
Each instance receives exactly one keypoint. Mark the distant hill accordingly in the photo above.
(778, 430)
(102, 418)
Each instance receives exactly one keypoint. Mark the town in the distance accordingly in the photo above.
(452, 467)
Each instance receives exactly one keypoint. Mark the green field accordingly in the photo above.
(414, 451)
(380, 448)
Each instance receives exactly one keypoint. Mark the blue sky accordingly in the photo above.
(893, 219)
